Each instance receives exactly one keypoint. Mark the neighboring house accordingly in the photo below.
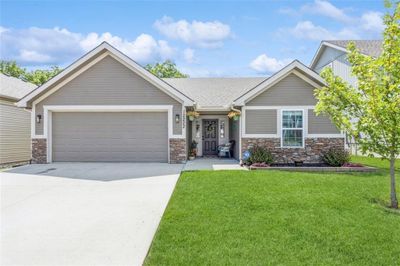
(15, 129)
(334, 54)
(105, 107)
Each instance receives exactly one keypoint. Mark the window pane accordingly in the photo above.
(292, 119)
(292, 138)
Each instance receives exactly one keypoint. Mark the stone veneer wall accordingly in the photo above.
(177, 150)
(311, 153)
(39, 150)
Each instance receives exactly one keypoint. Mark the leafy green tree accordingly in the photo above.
(371, 111)
(38, 76)
(11, 68)
(166, 69)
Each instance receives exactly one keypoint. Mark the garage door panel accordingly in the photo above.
(114, 137)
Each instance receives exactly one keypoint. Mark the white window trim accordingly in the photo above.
(304, 123)
(49, 109)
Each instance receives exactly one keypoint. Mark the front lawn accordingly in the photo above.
(274, 217)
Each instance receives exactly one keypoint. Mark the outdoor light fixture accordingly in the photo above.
(38, 118)
(177, 118)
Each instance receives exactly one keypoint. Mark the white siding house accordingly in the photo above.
(334, 54)
(15, 132)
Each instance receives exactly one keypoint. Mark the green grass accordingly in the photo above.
(278, 218)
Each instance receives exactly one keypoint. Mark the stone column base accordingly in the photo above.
(39, 151)
(177, 150)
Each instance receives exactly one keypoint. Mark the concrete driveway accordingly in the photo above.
(82, 213)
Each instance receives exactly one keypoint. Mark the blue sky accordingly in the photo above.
(204, 38)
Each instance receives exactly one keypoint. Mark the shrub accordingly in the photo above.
(260, 155)
(336, 157)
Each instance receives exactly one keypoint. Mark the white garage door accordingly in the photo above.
(110, 137)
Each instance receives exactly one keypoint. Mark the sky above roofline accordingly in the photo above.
(204, 38)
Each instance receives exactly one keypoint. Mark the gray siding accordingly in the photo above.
(320, 124)
(341, 67)
(15, 133)
(339, 63)
(118, 137)
(109, 83)
(291, 90)
(261, 121)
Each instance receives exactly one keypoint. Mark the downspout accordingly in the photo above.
(234, 109)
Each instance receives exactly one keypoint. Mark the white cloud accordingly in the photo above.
(188, 55)
(368, 25)
(35, 46)
(372, 21)
(325, 8)
(265, 64)
(307, 30)
(142, 49)
(210, 34)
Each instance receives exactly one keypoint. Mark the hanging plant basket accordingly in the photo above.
(192, 115)
(234, 115)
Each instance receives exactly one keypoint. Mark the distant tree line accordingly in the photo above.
(38, 76)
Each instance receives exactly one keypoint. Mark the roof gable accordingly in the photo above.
(89, 60)
(368, 47)
(296, 68)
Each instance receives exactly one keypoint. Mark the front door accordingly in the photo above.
(210, 136)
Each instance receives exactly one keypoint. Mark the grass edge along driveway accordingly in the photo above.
(277, 217)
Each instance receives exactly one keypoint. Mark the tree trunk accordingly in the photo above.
(393, 197)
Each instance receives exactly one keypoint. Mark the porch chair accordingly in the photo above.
(226, 150)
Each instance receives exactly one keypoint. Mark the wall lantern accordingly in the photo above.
(38, 118)
(177, 119)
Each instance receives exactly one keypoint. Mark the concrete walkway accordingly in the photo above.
(82, 213)
(213, 164)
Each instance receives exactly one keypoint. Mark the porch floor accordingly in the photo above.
(213, 164)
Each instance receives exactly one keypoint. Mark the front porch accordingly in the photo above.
(210, 130)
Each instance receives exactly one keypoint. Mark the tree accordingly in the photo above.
(166, 69)
(370, 112)
(11, 68)
(38, 76)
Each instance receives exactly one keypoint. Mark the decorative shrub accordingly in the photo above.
(336, 157)
(260, 155)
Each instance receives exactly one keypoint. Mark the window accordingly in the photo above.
(222, 129)
(292, 128)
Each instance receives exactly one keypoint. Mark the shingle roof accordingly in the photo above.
(14, 88)
(368, 47)
(214, 92)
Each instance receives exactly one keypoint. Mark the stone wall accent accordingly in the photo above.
(311, 153)
(39, 151)
(177, 150)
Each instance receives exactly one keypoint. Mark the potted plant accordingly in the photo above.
(192, 155)
(192, 115)
(234, 115)
(193, 150)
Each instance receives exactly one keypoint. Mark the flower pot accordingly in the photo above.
(235, 118)
(191, 158)
(191, 118)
